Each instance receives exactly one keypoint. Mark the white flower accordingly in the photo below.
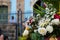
(50, 5)
(54, 10)
(41, 23)
(38, 15)
(49, 29)
(42, 31)
(44, 22)
(55, 21)
(47, 10)
(51, 13)
(46, 16)
(52, 16)
(35, 30)
(47, 20)
(25, 33)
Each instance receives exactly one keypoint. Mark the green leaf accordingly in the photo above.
(22, 38)
(39, 7)
(39, 12)
(36, 36)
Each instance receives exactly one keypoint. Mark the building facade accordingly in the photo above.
(6, 3)
(8, 29)
(5, 6)
(20, 5)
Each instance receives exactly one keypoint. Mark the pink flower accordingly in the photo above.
(44, 5)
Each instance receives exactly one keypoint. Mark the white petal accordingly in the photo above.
(49, 29)
(55, 21)
(42, 31)
(25, 33)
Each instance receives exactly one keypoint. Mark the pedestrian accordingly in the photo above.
(2, 36)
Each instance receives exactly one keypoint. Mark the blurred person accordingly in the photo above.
(6, 38)
(2, 36)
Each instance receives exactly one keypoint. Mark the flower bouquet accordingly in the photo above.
(38, 27)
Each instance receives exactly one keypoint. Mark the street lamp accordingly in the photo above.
(19, 16)
(20, 25)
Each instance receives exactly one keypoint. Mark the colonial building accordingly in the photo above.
(8, 29)
(5, 6)
(5, 3)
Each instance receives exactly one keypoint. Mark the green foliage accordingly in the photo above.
(36, 36)
(40, 10)
(40, 7)
(21, 38)
(54, 2)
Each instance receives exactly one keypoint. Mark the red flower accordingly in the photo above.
(30, 20)
(56, 16)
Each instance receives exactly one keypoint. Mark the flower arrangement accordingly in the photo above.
(46, 25)
(42, 31)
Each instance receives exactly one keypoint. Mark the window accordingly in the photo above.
(3, 14)
(12, 17)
